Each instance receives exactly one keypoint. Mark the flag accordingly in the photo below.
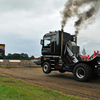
(84, 52)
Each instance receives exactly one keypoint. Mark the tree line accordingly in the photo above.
(22, 56)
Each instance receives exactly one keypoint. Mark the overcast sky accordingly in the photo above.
(24, 22)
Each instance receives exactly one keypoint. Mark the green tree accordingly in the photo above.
(32, 57)
(9, 56)
(16, 56)
(24, 56)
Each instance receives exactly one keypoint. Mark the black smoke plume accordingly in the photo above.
(72, 9)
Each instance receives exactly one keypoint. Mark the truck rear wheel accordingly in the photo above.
(82, 72)
(46, 67)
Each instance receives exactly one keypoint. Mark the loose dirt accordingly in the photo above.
(63, 83)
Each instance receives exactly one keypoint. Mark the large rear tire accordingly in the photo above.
(82, 72)
(46, 67)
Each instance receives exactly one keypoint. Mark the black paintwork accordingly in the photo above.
(55, 42)
(52, 51)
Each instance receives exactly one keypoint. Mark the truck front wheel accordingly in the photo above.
(46, 67)
(82, 72)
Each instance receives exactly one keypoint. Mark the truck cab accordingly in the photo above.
(61, 53)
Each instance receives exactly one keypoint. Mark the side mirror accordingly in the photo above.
(41, 42)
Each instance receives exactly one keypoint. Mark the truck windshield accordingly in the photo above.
(47, 41)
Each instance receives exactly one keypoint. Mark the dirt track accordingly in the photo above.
(64, 83)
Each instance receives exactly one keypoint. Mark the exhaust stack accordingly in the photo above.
(61, 40)
(76, 33)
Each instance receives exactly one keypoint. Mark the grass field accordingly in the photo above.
(12, 89)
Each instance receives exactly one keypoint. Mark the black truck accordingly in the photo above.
(60, 52)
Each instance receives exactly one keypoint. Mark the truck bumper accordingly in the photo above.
(97, 69)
